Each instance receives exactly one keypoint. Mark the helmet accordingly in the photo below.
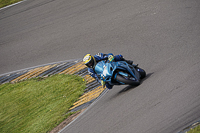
(89, 61)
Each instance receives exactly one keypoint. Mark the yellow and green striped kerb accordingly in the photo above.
(92, 91)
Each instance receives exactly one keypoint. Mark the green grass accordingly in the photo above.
(7, 2)
(195, 130)
(38, 105)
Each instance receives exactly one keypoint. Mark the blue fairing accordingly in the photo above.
(105, 71)
(99, 67)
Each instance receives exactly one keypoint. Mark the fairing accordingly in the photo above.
(105, 71)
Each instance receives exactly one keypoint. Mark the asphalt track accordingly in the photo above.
(163, 37)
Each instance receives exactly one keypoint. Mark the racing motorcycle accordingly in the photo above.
(119, 73)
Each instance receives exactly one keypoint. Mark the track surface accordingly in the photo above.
(162, 36)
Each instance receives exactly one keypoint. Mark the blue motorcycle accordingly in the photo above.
(119, 73)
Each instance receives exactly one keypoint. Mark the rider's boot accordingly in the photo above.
(129, 61)
(134, 65)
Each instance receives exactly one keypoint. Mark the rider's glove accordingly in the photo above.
(103, 83)
(110, 58)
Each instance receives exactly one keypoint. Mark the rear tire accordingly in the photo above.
(127, 81)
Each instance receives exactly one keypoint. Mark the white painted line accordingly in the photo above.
(100, 96)
(12, 5)
(75, 60)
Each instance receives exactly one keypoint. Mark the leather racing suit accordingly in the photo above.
(99, 57)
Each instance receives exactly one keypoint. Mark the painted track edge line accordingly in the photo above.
(38, 66)
(12, 5)
(100, 96)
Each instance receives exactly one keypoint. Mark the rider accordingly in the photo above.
(91, 61)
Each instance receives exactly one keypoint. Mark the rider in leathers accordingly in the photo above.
(91, 61)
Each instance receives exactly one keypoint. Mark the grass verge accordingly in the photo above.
(195, 130)
(4, 3)
(38, 105)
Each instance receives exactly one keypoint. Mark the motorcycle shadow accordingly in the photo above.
(129, 87)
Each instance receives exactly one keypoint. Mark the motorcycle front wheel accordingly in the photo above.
(127, 80)
(142, 72)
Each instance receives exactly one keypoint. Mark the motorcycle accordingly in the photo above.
(119, 73)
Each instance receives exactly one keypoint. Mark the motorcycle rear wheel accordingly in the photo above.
(127, 81)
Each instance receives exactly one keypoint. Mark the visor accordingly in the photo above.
(90, 64)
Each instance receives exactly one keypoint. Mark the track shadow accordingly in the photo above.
(127, 88)
(147, 76)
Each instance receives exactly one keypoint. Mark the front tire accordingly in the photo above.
(127, 81)
(142, 72)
